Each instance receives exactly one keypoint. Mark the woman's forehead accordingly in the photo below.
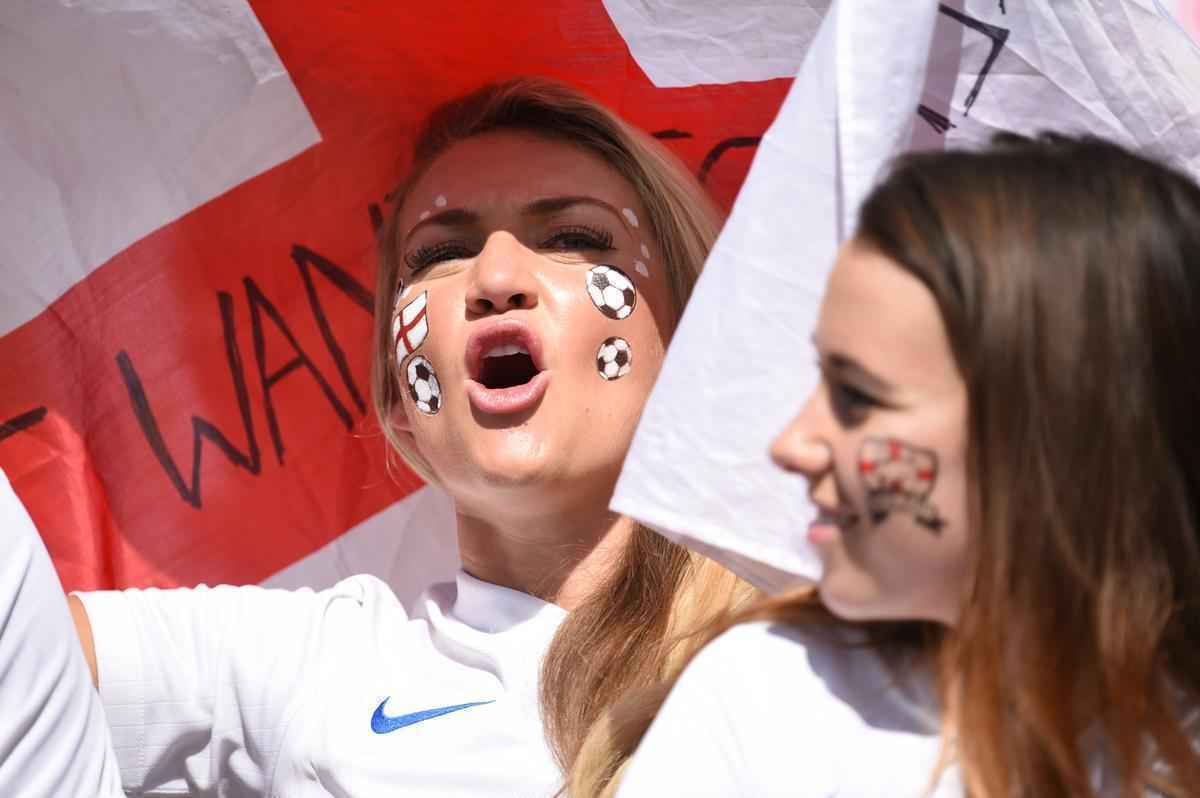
(883, 318)
(513, 168)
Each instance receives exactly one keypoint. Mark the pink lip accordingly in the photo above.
(501, 401)
(829, 524)
(819, 533)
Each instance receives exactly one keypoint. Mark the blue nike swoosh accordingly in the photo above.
(382, 723)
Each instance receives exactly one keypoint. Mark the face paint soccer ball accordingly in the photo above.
(614, 359)
(423, 386)
(611, 291)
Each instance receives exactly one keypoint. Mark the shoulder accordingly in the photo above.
(826, 675)
(796, 654)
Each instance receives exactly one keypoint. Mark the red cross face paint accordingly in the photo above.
(612, 291)
(614, 359)
(423, 387)
(410, 326)
(899, 477)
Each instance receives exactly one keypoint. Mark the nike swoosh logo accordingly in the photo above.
(382, 723)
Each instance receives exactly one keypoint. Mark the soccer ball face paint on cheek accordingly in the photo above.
(611, 291)
(614, 359)
(506, 265)
(423, 386)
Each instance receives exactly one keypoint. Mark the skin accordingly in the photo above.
(887, 372)
(531, 489)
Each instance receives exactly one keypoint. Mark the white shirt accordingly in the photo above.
(773, 710)
(53, 739)
(239, 691)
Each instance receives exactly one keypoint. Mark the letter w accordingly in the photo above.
(201, 428)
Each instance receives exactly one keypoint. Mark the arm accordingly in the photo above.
(83, 630)
(53, 736)
(196, 682)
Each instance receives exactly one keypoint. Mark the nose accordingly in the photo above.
(800, 448)
(504, 276)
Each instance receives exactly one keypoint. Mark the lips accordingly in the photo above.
(841, 518)
(830, 524)
(505, 368)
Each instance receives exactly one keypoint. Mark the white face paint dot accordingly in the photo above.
(645, 251)
(630, 216)
(641, 268)
(440, 201)
(424, 215)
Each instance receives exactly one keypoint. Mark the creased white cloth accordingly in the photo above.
(119, 116)
(740, 364)
(54, 740)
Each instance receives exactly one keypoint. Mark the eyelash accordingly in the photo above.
(852, 395)
(585, 238)
(593, 238)
(424, 257)
(850, 404)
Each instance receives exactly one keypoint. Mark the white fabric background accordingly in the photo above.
(741, 365)
(119, 117)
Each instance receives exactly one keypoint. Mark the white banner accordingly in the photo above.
(876, 81)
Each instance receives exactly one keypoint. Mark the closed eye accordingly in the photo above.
(850, 404)
(578, 238)
(424, 257)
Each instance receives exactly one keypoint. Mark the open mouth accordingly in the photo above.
(506, 366)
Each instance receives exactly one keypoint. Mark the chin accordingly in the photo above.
(513, 459)
(860, 600)
(851, 600)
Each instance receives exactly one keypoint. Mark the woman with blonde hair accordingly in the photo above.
(536, 261)
(1006, 461)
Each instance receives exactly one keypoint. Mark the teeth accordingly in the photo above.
(505, 350)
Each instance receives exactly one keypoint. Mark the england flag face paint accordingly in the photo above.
(423, 387)
(410, 327)
(899, 477)
(614, 359)
(612, 291)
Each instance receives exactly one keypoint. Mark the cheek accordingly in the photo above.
(908, 552)
(626, 335)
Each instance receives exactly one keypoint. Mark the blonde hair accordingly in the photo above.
(630, 631)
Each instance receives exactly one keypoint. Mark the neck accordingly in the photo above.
(559, 558)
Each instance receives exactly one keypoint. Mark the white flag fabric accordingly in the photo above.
(210, 103)
(876, 81)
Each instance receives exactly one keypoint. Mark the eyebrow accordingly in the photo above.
(461, 217)
(847, 366)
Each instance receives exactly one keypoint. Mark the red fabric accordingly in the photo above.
(157, 314)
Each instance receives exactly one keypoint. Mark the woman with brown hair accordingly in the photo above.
(1005, 457)
(536, 262)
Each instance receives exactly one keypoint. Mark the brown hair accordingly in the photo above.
(626, 634)
(1067, 274)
